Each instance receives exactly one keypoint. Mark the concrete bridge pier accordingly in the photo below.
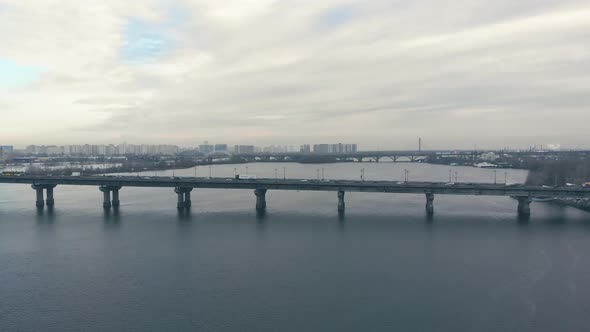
(430, 204)
(39, 191)
(187, 197)
(524, 206)
(116, 202)
(106, 192)
(184, 197)
(260, 199)
(341, 204)
(180, 194)
(50, 201)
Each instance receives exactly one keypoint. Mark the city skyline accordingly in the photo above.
(167, 149)
(373, 72)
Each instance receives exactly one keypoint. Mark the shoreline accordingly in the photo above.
(579, 203)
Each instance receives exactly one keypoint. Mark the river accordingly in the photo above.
(383, 266)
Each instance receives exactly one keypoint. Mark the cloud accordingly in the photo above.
(375, 72)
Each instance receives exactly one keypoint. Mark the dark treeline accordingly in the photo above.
(558, 172)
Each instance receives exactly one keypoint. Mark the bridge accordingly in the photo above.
(183, 186)
(393, 156)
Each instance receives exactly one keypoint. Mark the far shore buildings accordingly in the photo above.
(332, 148)
(124, 149)
(244, 149)
(101, 150)
(5, 152)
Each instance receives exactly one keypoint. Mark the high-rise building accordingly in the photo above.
(321, 148)
(7, 148)
(206, 148)
(305, 148)
(5, 152)
(53, 150)
(334, 148)
(244, 149)
(220, 147)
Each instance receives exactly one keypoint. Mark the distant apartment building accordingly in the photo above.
(5, 152)
(168, 149)
(220, 147)
(206, 148)
(321, 148)
(8, 149)
(53, 150)
(32, 149)
(244, 149)
(277, 149)
(305, 148)
(334, 148)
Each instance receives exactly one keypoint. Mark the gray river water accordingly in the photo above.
(383, 266)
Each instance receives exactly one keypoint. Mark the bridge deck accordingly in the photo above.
(307, 185)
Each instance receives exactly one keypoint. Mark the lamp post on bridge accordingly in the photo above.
(195, 171)
(495, 176)
(209, 171)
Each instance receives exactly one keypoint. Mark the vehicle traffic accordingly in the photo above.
(13, 173)
(245, 177)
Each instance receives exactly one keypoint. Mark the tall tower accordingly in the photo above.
(419, 144)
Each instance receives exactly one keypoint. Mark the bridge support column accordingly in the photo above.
(39, 191)
(260, 199)
(106, 192)
(116, 202)
(430, 204)
(341, 204)
(524, 206)
(187, 197)
(184, 197)
(180, 193)
(50, 201)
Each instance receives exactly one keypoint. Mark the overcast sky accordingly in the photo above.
(379, 73)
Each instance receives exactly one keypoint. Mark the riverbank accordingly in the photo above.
(579, 203)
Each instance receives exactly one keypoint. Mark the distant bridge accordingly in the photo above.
(393, 156)
(183, 187)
